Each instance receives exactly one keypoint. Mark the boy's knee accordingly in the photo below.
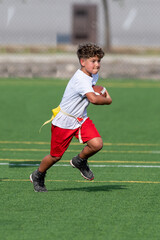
(100, 145)
(97, 144)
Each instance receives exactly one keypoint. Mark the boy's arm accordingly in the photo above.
(98, 99)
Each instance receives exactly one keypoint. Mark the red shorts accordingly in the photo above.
(61, 138)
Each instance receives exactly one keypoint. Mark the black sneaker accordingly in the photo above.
(37, 178)
(82, 165)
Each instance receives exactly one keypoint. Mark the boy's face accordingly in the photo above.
(90, 65)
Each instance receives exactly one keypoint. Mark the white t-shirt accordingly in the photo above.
(74, 101)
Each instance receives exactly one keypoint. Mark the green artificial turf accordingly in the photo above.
(121, 203)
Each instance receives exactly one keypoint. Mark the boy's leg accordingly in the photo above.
(91, 136)
(80, 161)
(60, 140)
(38, 176)
(47, 162)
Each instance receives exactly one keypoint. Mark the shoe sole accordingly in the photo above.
(72, 164)
(31, 180)
(81, 172)
(30, 177)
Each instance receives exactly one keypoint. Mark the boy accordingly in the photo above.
(72, 119)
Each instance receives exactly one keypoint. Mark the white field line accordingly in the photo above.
(68, 165)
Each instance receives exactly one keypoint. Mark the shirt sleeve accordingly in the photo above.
(84, 86)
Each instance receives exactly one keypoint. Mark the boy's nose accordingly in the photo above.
(97, 63)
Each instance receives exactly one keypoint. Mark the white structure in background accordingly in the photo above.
(49, 22)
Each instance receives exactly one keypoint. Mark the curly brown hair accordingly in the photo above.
(88, 50)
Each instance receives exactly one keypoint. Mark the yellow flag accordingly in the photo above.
(55, 111)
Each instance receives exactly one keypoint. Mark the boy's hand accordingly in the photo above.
(107, 94)
(108, 97)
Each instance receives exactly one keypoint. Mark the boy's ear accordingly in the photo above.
(82, 62)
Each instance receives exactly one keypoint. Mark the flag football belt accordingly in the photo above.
(55, 111)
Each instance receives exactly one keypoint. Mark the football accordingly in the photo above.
(99, 90)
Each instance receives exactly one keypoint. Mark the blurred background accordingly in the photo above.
(39, 38)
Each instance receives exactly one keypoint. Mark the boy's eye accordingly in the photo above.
(93, 61)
